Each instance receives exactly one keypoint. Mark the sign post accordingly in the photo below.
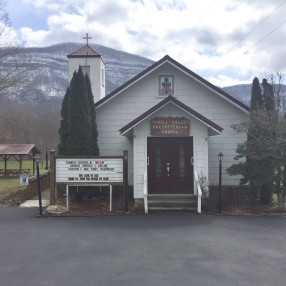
(101, 170)
(24, 179)
(89, 171)
(37, 159)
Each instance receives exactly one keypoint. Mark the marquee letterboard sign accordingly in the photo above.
(170, 126)
(89, 170)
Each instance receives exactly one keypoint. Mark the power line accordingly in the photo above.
(244, 37)
(252, 47)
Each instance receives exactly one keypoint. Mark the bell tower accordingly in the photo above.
(91, 63)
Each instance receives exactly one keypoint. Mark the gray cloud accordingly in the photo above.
(197, 33)
(110, 12)
(204, 36)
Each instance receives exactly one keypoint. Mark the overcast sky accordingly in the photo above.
(225, 41)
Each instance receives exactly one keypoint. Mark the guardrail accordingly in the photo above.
(33, 184)
(145, 192)
(199, 192)
(14, 172)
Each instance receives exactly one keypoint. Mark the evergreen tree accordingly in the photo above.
(257, 170)
(268, 97)
(252, 164)
(79, 122)
(256, 101)
(78, 130)
(271, 153)
(63, 131)
(94, 134)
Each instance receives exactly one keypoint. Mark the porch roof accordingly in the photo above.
(216, 129)
(18, 149)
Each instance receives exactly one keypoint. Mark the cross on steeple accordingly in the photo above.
(86, 38)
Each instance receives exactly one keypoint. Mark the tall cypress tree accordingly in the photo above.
(255, 170)
(268, 96)
(78, 129)
(63, 131)
(79, 122)
(256, 100)
(252, 164)
(94, 134)
(269, 151)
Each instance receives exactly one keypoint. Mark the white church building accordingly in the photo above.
(172, 122)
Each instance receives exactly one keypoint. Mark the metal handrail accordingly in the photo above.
(145, 192)
(199, 192)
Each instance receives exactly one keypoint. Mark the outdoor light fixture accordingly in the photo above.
(125, 155)
(220, 157)
(37, 159)
(47, 158)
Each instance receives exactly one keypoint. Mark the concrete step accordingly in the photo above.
(172, 203)
(173, 209)
(163, 203)
(34, 202)
(173, 197)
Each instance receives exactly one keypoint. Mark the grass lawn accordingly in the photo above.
(10, 184)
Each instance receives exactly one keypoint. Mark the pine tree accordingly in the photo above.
(63, 131)
(79, 122)
(94, 134)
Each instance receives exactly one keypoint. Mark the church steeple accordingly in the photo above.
(91, 63)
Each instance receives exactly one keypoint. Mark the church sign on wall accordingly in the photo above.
(170, 126)
(89, 170)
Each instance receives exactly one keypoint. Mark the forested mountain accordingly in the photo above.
(48, 69)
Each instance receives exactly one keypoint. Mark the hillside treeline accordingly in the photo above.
(31, 121)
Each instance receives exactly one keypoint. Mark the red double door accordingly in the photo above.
(170, 169)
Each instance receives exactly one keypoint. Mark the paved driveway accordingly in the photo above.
(155, 249)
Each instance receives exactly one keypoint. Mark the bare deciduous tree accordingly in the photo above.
(12, 72)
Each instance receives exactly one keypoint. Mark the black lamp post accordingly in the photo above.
(220, 157)
(37, 158)
(47, 159)
(125, 154)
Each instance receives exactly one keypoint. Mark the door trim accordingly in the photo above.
(191, 159)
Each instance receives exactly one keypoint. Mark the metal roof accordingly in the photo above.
(190, 73)
(18, 149)
(85, 51)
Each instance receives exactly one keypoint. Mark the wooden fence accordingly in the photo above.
(33, 184)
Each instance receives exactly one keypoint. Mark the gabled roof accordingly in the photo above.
(171, 99)
(85, 51)
(190, 73)
(18, 149)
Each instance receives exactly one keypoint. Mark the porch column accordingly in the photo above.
(5, 159)
(20, 163)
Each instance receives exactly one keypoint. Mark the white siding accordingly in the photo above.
(143, 95)
(197, 130)
(96, 67)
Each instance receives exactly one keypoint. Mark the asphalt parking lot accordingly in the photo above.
(155, 249)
